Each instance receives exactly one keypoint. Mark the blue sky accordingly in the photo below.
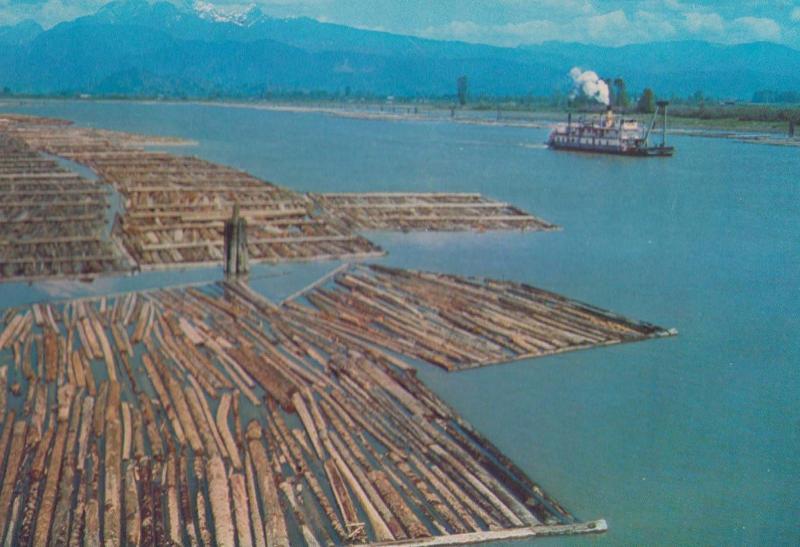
(508, 22)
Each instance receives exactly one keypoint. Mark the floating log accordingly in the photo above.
(3, 391)
(9, 538)
(208, 440)
(147, 524)
(187, 515)
(62, 516)
(398, 506)
(36, 472)
(133, 519)
(241, 509)
(15, 453)
(275, 526)
(219, 495)
(112, 499)
(173, 507)
(202, 520)
(225, 432)
(208, 417)
(259, 539)
(161, 391)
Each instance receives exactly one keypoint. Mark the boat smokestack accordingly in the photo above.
(609, 117)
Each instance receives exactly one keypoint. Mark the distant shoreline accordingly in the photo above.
(770, 133)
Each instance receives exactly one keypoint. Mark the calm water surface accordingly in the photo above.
(687, 440)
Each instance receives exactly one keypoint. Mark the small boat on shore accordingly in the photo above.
(611, 135)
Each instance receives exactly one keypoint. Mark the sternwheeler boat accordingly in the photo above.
(611, 135)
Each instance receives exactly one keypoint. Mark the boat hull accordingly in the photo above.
(646, 152)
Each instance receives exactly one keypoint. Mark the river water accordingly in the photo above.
(687, 440)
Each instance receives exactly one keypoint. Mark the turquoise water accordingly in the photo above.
(689, 440)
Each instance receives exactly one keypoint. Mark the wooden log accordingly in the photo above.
(308, 535)
(242, 380)
(79, 513)
(151, 426)
(219, 496)
(187, 515)
(105, 349)
(121, 338)
(99, 418)
(87, 413)
(50, 355)
(308, 423)
(138, 434)
(202, 519)
(241, 510)
(141, 323)
(62, 516)
(3, 390)
(487, 484)
(15, 507)
(36, 473)
(88, 375)
(434, 501)
(199, 417)
(341, 496)
(38, 413)
(147, 524)
(183, 413)
(449, 491)
(466, 493)
(9, 333)
(259, 539)
(355, 528)
(161, 391)
(208, 417)
(131, 503)
(383, 522)
(398, 506)
(112, 498)
(225, 432)
(275, 526)
(127, 427)
(158, 513)
(271, 378)
(45, 513)
(94, 350)
(15, 453)
(173, 502)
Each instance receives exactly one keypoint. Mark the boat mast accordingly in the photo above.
(663, 106)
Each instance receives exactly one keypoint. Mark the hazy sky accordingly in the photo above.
(509, 22)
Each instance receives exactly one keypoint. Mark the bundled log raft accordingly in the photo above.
(339, 444)
(175, 207)
(458, 323)
(426, 212)
(51, 220)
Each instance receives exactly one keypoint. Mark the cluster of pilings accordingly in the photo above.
(236, 260)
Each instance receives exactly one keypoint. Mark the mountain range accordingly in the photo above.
(143, 48)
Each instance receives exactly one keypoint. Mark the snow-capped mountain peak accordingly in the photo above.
(238, 15)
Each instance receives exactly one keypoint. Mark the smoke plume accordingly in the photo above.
(589, 84)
